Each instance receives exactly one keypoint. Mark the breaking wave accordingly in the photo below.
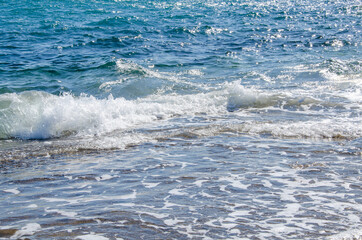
(40, 115)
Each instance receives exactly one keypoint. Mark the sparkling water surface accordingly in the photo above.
(180, 119)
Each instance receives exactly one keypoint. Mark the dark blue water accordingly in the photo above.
(180, 120)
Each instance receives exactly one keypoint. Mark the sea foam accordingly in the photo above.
(40, 115)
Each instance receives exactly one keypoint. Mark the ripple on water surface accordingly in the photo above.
(215, 187)
(180, 120)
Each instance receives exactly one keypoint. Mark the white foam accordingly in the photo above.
(38, 115)
(241, 97)
(62, 212)
(206, 195)
(290, 210)
(199, 182)
(353, 234)
(129, 67)
(127, 196)
(104, 177)
(316, 129)
(108, 123)
(177, 192)
(125, 204)
(32, 206)
(14, 191)
(156, 215)
(91, 237)
(239, 213)
(71, 201)
(27, 230)
(235, 181)
(150, 185)
(171, 222)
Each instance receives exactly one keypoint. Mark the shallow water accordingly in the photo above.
(180, 120)
(225, 186)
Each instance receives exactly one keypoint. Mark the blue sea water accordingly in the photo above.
(180, 119)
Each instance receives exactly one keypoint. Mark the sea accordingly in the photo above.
(202, 119)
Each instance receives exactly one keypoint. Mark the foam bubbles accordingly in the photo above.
(101, 122)
(348, 235)
(241, 97)
(38, 115)
(13, 191)
(27, 230)
(91, 237)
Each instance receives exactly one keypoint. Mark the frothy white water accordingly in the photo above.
(355, 234)
(39, 115)
(28, 230)
(314, 129)
(131, 73)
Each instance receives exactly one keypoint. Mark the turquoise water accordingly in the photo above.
(180, 119)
